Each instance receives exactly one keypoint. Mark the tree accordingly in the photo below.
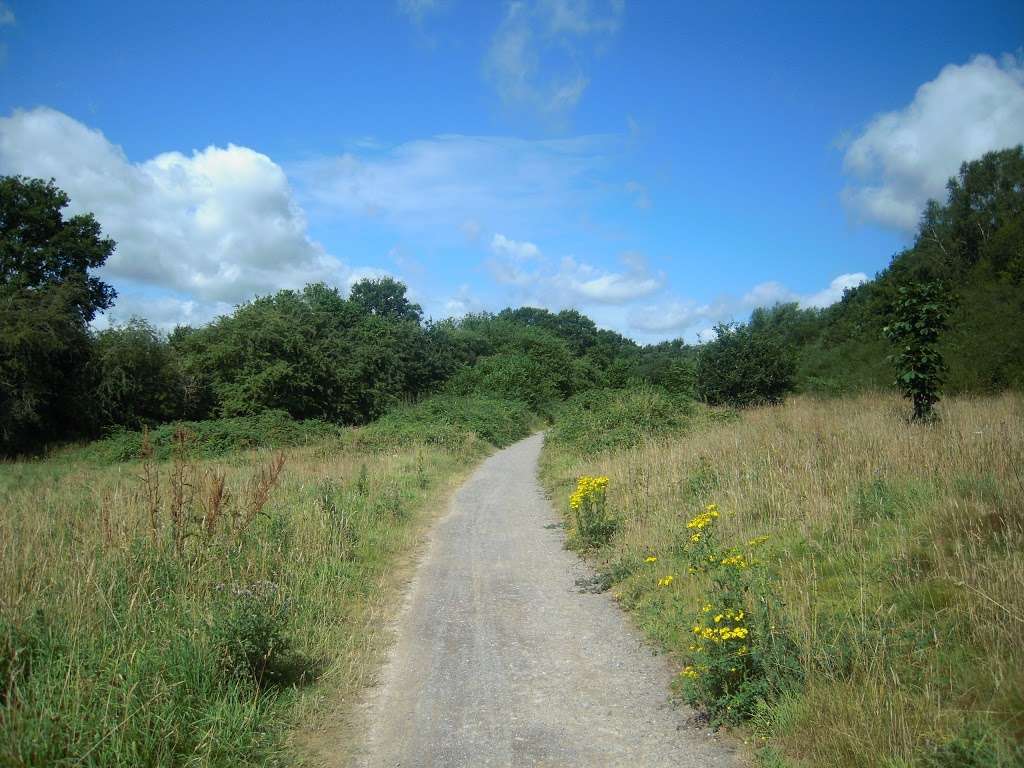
(135, 376)
(385, 298)
(919, 316)
(47, 299)
(742, 367)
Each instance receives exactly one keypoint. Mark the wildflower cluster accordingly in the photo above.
(588, 489)
(729, 667)
(588, 504)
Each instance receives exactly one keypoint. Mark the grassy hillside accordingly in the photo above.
(881, 616)
(197, 611)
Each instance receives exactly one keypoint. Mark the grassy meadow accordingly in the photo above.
(882, 615)
(211, 611)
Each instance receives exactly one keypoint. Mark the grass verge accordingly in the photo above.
(202, 611)
(881, 617)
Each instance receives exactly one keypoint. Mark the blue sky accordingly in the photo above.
(659, 166)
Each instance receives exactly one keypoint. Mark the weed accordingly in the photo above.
(589, 506)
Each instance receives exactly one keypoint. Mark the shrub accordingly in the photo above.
(250, 634)
(446, 420)
(603, 419)
(744, 367)
(918, 318)
(215, 437)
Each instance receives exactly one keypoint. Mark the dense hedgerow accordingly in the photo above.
(214, 437)
(618, 418)
(448, 420)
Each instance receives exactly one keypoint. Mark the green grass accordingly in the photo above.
(210, 632)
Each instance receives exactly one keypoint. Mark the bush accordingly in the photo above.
(250, 634)
(215, 437)
(743, 367)
(603, 419)
(447, 420)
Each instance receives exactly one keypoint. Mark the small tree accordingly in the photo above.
(918, 316)
(743, 367)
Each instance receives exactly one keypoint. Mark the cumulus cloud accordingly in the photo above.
(569, 282)
(835, 290)
(535, 38)
(216, 226)
(518, 250)
(6, 15)
(693, 319)
(905, 157)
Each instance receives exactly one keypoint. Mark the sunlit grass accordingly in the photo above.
(108, 641)
(899, 554)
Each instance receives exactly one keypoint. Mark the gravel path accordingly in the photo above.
(501, 661)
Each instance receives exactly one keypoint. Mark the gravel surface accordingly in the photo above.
(501, 660)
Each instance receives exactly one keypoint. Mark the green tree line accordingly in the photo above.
(317, 354)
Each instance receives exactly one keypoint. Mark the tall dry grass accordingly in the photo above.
(115, 583)
(899, 556)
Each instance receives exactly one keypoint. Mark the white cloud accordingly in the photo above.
(216, 226)
(905, 157)
(835, 290)
(693, 319)
(518, 250)
(6, 15)
(462, 303)
(164, 312)
(591, 284)
(536, 37)
(456, 182)
(571, 282)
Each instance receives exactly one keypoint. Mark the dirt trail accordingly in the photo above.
(501, 661)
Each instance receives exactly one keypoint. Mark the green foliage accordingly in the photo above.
(976, 746)
(449, 420)
(602, 419)
(135, 377)
(385, 298)
(975, 241)
(213, 437)
(250, 632)
(919, 316)
(744, 366)
(742, 656)
(47, 297)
